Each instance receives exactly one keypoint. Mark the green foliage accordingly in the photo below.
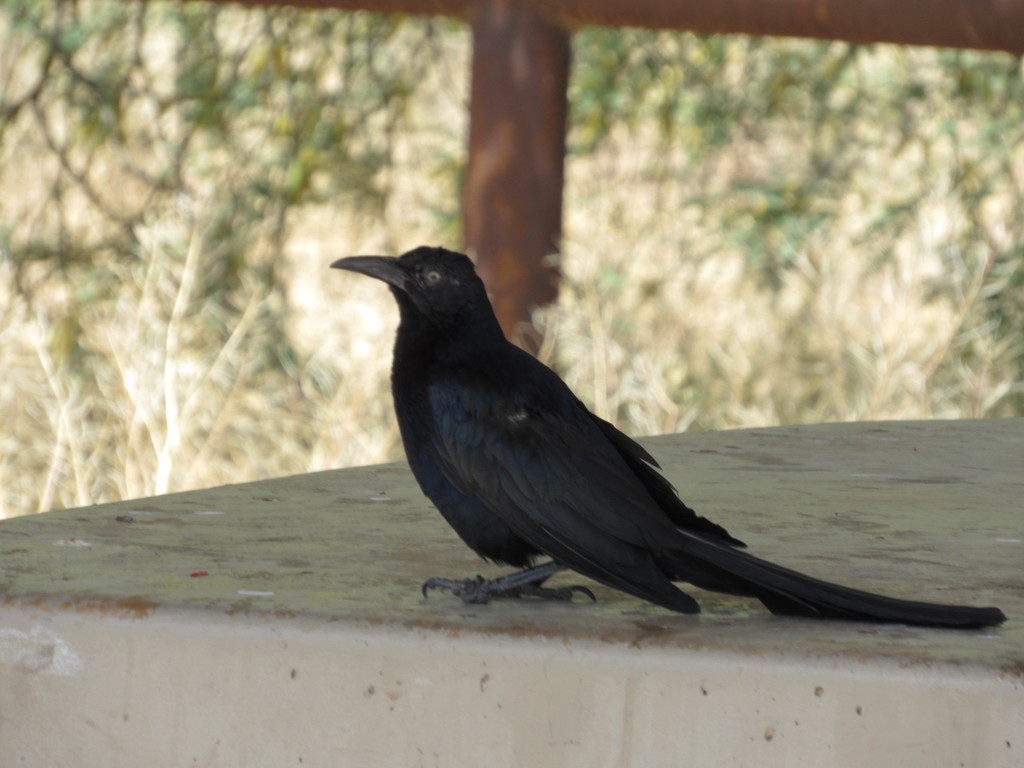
(260, 112)
(156, 162)
(774, 136)
(757, 231)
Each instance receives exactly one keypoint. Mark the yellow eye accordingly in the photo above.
(433, 277)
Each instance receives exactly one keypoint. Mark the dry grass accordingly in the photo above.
(663, 338)
(665, 322)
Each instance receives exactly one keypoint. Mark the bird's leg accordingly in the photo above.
(528, 583)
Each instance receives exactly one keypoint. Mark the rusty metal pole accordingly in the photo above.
(993, 25)
(512, 196)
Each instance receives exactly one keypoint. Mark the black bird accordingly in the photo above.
(520, 468)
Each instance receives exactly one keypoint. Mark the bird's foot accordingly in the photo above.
(528, 583)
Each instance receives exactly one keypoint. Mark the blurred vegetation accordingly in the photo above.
(786, 150)
(256, 112)
(758, 231)
(154, 157)
(958, 121)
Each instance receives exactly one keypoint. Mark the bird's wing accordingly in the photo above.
(644, 466)
(559, 483)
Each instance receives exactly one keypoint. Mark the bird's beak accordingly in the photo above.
(386, 268)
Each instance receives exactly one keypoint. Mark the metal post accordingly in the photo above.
(512, 197)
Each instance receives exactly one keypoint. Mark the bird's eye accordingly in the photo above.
(433, 277)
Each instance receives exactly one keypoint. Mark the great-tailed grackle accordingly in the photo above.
(519, 467)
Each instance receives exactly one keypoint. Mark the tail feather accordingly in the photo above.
(718, 567)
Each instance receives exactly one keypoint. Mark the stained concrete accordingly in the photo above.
(281, 621)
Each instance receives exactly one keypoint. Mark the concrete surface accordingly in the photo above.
(280, 623)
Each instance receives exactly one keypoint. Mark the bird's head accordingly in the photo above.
(435, 283)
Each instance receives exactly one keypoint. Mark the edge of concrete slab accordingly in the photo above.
(286, 627)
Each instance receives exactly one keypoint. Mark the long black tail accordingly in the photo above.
(722, 568)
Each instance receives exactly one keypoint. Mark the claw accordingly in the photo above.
(546, 593)
(470, 590)
(528, 583)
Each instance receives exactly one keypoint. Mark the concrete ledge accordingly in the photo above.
(280, 623)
